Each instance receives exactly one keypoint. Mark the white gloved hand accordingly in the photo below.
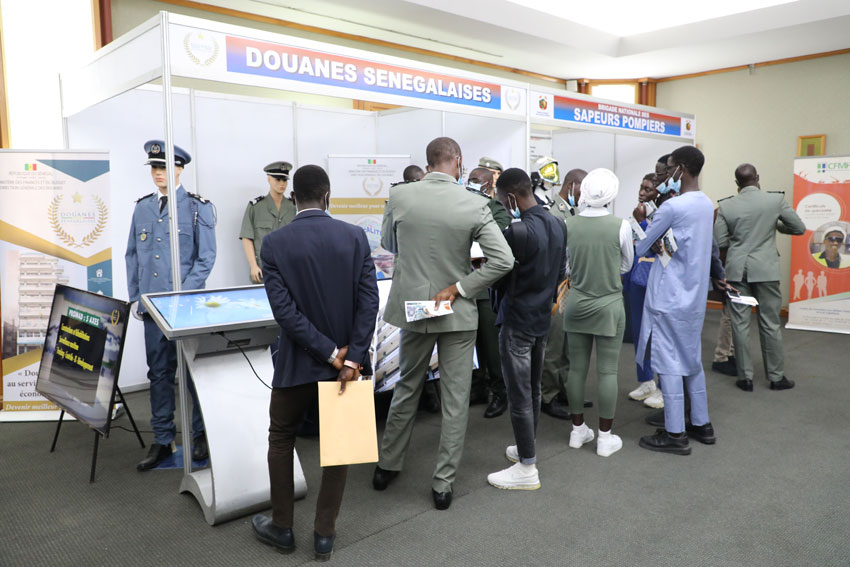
(134, 311)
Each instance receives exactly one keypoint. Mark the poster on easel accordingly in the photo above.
(820, 259)
(360, 187)
(54, 229)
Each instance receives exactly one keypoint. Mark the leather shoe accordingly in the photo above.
(702, 433)
(666, 443)
(382, 478)
(323, 546)
(556, 409)
(727, 367)
(200, 449)
(477, 397)
(655, 419)
(282, 539)
(156, 455)
(746, 385)
(497, 406)
(442, 500)
(784, 384)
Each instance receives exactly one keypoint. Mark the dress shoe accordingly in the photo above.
(156, 455)
(655, 419)
(746, 385)
(784, 384)
(497, 406)
(556, 409)
(702, 433)
(727, 367)
(282, 539)
(442, 500)
(382, 478)
(200, 449)
(477, 397)
(323, 546)
(666, 443)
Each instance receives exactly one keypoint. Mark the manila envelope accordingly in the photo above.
(347, 432)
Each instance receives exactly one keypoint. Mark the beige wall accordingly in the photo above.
(756, 118)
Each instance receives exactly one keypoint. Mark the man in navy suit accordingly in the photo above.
(320, 279)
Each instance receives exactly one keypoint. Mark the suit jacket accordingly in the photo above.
(320, 279)
(430, 225)
(747, 225)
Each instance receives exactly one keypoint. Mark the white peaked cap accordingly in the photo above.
(599, 187)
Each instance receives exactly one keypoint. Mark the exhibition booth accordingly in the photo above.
(238, 98)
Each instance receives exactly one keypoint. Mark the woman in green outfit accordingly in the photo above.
(600, 250)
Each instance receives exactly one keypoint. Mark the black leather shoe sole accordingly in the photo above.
(496, 408)
(726, 367)
(745, 385)
(442, 500)
(784, 384)
(382, 478)
(704, 434)
(323, 547)
(663, 443)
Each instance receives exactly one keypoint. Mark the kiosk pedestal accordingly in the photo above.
(219, 339)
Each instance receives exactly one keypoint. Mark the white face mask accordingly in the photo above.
(459, 173)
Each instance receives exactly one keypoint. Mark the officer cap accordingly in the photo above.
(490, 163)
(279, 169)
(156, 154)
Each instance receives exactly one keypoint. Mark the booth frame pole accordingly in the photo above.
(174, 242)
(295, 135)
(527, 130)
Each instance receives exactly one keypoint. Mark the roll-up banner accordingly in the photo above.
(820, 259)
(54, 229)
(361, 188)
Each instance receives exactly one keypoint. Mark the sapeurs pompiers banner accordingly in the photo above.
(54, 228)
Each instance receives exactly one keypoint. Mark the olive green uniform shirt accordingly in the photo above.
(262, 217)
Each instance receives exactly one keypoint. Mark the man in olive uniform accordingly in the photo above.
(266, 213)
(488, 375)
(556, 362)
(148, 260)
(432, 238)
(747, 225)
(494, 167)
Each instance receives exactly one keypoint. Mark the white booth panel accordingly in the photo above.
(503, 140)
(236, 139)
(581, 149)
(408, 133)
(122, 125)
(333, 131)
(635, 157)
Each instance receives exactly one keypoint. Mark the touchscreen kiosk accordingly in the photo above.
(225, 336)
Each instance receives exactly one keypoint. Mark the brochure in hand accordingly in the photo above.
(418, 310)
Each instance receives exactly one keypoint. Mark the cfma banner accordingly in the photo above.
(54, 229)
(820, 260)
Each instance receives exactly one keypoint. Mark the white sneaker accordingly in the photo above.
(512, 454)
(655, 400)
(580, 436)
(516, 477)
(643, 391)
(607, 445)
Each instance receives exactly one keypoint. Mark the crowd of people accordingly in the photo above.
(554, 273)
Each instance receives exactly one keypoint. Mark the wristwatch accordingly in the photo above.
(333, 356)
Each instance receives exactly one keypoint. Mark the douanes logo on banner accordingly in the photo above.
(77, 221)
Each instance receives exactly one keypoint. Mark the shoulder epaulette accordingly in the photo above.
(146, 196)
(479, 193)
(724, 199)
(197, 197)
(780, 192)
(256, 200)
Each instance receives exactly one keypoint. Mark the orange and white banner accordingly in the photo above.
(820, 260)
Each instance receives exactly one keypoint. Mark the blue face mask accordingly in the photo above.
(515, 212)
(670, 185)
(571, 197)
(459, 173)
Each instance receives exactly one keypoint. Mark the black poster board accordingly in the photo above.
(82, 354)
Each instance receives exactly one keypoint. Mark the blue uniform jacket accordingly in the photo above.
(320, 279)
(148, 256)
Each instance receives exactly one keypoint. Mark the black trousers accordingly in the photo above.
(285, 411)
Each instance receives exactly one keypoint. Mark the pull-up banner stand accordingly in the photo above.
(820, 259)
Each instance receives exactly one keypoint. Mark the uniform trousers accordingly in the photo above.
(556, 361)
(285, 412)
(522, 365)
(455, 353)
(674, 400)
(769, 297)
(162, 366)
(488, 376)
(607, 361)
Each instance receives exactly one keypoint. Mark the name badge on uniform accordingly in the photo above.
(144, 236)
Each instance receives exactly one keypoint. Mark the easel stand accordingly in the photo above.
(98, 434)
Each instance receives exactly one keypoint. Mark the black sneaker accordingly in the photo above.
(665, 443)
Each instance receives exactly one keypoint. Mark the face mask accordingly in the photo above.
(459, 173)
(669, 184)
(675, 186)
(515, 212)
(571, 199)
